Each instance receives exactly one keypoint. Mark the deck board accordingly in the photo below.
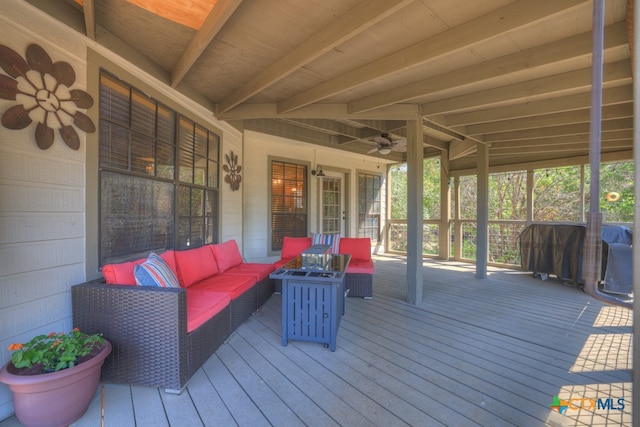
(490, 352)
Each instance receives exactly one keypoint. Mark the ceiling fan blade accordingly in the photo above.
(373, 150)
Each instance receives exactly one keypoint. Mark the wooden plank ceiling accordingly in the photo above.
(515, 75)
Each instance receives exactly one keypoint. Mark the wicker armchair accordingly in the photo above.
(147, 327)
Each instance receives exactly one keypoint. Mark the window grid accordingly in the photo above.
(158, 176)
(288, 202)
(369, 206)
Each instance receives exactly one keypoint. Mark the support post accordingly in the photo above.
(444, 243)
(635, 4)
(414, 211)
(457, 231)
(482, 229)
(530, 198)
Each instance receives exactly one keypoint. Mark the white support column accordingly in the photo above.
(482, 236)
(414, 211)
(444, 243)
(457, 232)
(636, 225)
(530, 199)
(583, 217)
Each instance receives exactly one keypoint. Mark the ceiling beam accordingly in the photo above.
(620, 135)
(458, 149)
(319, 111)
(551, 131)
(89, 12)
(357, 19)
(219, 15)
(566, 49)
(609, 112)
(610, 96)
(488, 26)
(295, 132)
(615, 73)
(328, 126)
(576, 147)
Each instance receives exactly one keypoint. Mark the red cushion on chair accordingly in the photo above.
(203, 305)
(293, 246)
(121, 273)
(227, 255)
(234, 285)
(195, 265)
(360, 266)
(259, 271)
(358, 247)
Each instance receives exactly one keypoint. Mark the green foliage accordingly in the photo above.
(430, 191)
(556, 198)
(55, 351)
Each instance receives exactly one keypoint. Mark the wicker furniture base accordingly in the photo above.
(243, 307)
(265, 288)
(207, 338)
(147, 327)
(359, 285)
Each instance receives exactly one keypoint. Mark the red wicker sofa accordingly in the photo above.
(162, 335)
(359, 275)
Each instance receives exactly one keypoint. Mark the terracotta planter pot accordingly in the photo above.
(57, 398)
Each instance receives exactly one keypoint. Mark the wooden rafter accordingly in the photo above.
(89, 11)
(544, 55)
(356, 20)
(485, 27)
(216, 19)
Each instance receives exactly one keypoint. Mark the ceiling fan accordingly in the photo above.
(385, 144)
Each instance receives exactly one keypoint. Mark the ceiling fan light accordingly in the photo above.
(384, 150)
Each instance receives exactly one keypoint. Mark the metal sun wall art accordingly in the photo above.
(232, 168)
(42, 90)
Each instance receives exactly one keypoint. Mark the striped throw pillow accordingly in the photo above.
(155, 272)
(332, 240)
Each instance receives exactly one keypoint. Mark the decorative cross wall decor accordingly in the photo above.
(232, 168)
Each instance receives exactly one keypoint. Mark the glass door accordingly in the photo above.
(332, 213)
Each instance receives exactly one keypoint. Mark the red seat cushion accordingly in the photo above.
(233, 285)
(195, 265)
(360, 266)
(227, 255)
(293, 246)
(357, 247)
(280, 263)
(203, 305)
(121, 273)
(259, 271)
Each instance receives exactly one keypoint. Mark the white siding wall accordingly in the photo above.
(42, 196)
(41, 205)
(256, 184)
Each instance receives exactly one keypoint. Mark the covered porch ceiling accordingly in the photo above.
(514, 75)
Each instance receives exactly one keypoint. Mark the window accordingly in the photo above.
(369, 206)
(288, 202)
(156, 169)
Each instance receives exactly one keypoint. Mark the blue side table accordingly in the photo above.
(313, 298)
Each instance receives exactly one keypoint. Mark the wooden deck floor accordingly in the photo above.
(491, 352)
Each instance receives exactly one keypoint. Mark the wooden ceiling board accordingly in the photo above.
(499, 71)
(159, 39)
